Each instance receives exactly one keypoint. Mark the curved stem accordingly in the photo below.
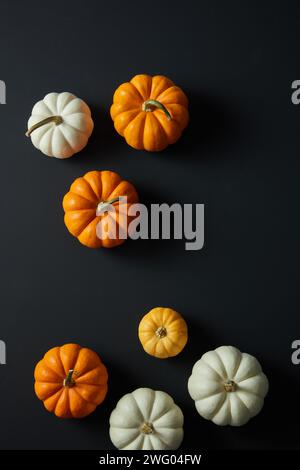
(150, 104)
(69, 382)
(55, 119)
(104, 205)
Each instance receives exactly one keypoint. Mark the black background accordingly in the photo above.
(240, 157)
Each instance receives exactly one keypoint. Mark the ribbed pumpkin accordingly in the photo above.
(163, 332)
(150, 112)
(85, 205)
(71, 381)
(228, 386)
(146, 419)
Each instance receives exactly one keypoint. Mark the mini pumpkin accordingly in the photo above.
(150, 112)
(146, 420)
(60, 125)
(71, 381)
(163, 332)
(228, 386)
(89, 201)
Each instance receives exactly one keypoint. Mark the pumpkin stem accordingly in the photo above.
(69, 382)
(230, 386)
(149, 105)
(161, 332)
(103, 205)
(56, 119)
(147, 428)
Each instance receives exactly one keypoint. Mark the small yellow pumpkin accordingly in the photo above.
(163, 332)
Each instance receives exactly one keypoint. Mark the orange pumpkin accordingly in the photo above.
(150, 112)
(163, 332)
(71, 381)
(87, 203)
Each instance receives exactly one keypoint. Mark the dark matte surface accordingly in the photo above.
(239, 156)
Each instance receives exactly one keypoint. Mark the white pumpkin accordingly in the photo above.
(60, 125)
(228, 386)
(146, 420)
